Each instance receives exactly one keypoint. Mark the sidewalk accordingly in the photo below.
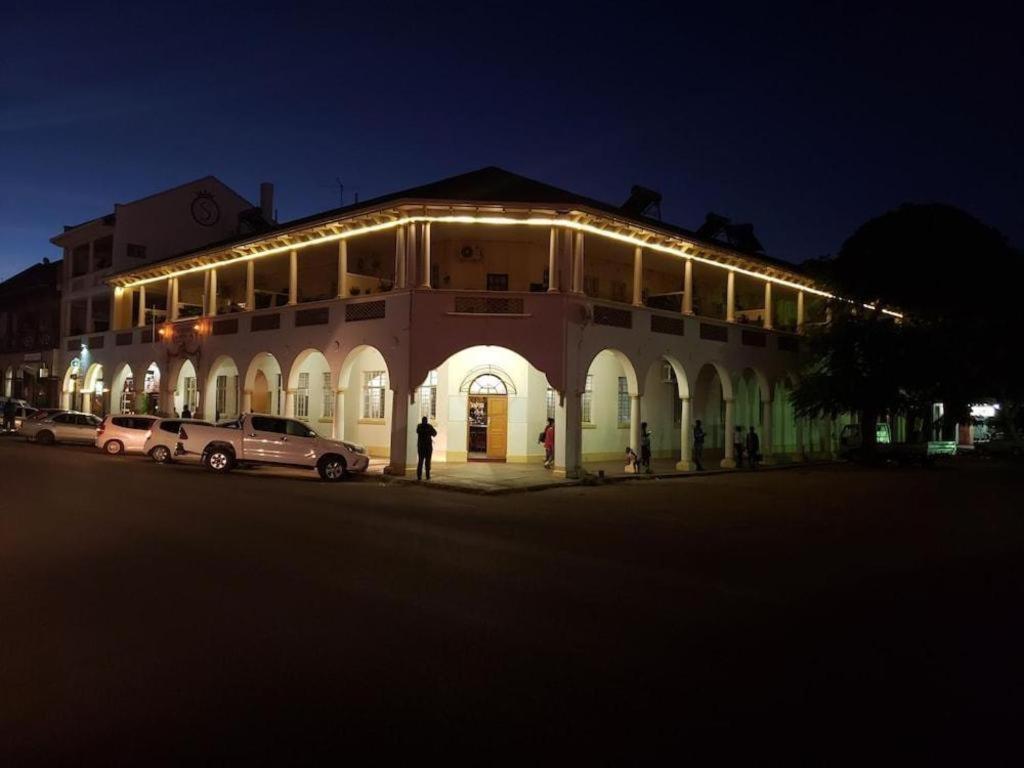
(495, 478)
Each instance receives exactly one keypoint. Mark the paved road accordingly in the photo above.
(153, 614)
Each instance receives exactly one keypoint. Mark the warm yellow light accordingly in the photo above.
(678, 251)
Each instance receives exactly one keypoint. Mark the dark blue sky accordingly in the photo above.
(805, 122)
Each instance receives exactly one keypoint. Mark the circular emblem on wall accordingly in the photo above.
(205, 210)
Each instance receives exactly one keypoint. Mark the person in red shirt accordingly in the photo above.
(549, 444)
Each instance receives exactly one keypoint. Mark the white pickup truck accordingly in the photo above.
(255, 439)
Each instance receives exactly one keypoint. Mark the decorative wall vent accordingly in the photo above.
(617, 318)
(265, 322)
(488, 305)
(710, 332)
(366, 310)
(675, 326)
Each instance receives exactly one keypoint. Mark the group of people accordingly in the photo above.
(746, 446)
(10, 411)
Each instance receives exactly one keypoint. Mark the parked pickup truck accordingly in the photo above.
(255, 439)
(851, 447)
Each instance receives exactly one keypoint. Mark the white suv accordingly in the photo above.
(123, 434)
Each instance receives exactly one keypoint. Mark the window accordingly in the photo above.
(327, 409)
(135, 251)
(487, 384)
(551, 400)
(618, 290)
(295, 429)
(587, 401)
(191, 393)
(170, 426)
(428, 396)
(269, 424)
(624, 414)
(497, 281)
(591, 285)
(302, 397)
(80, 260)
(103, 252)
(374, 385)
(222, 394)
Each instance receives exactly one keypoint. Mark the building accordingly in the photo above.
(30, 334)
(486, 302)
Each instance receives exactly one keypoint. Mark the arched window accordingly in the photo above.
(487, 384)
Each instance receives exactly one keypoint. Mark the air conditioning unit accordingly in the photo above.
(471, 253)
(668, 375)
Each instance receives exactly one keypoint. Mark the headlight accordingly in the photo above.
(355, 448)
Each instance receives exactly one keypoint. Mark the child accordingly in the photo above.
(632, 463)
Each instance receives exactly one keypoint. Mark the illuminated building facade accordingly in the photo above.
(488, 303)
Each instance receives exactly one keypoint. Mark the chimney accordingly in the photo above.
(267, 200)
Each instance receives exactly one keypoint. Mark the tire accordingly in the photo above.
(332, 468)
(220, 460)
(113, 447)
(161, 454)
(45, 438)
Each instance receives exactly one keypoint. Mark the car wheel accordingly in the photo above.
(220, 460)
(45, 438)
(113, 447)
(332, 468)
(161, 454)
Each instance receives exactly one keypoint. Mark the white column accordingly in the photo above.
(412, 257)
(634, 423)
(638, 276)
(211, 306)
(141, 322)
(577, 263)
(730, 298)
(568, 434)
(398, 453)
(343, 268)
(768, 306)
(172, 299)
(247, 401)
(686, 447)
(250, 285)
(400, 260)
(553, 261)
(767, 450)
(688, 287)
(729, 462)
(339, 414)
(289, 403)
(206, 292)
(799, 311)
(425, 257)
(293, 277)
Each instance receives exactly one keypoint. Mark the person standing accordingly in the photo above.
(185, 412)
(698, 445)
(425, 435)
(737, 446)
(549, 444)
(753, 448)
(10, 410)
(645, 447)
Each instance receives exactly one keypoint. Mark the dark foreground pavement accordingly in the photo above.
(158, 615)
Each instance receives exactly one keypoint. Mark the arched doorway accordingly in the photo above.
(260, 393)
(487, 422)
(186, 390)
(221, 394)
(264, 385)
(713, 407)
(122, 390)
(608, 404)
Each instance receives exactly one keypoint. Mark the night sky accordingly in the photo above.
(804, 123)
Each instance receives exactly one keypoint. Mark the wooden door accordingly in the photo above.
(261, 394)
(497, 428)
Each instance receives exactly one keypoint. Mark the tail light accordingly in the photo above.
(101, 427)
(182, 434)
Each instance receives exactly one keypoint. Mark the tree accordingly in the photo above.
(952, 345)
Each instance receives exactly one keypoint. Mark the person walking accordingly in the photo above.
(698, 445)
(753, 448)
(10, 411)
(185, 412)
(425, 435)
(737, 446)
(549, 444)
(645, 447)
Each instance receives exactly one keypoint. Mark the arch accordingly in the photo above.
(227, 396)
(186, 388)
(120, 387)
(260, 360)
(8, 381)
(632, 381)
(300, 360)
(489, 370)
(763, 384)
(682, 380)
(365, 406)
(92, 375)
(487, 384)
(350, 359)
(149, 388)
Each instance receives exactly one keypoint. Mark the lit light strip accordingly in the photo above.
(505, 221)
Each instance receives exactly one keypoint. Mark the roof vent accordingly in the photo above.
(643, 202)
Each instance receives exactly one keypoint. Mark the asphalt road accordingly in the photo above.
(163, 615)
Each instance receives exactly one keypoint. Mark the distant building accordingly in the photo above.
(30, 334)
(487, 302)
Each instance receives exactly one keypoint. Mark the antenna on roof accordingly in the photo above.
(341, 192)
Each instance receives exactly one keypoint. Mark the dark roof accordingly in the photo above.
(43, 275)
(490, 185)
